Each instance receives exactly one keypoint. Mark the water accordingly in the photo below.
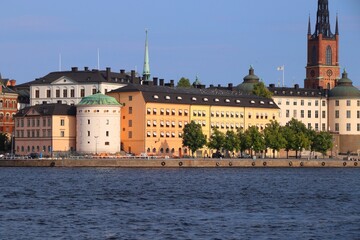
(115, 203)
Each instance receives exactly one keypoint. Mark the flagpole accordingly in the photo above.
(283, 70)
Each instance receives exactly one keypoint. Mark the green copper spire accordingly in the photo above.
(146, 71)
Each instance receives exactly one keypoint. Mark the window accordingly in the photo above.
(323, 114)
(337, 103)
(358, 114)
(130, 98)
(107, 133)
(48, 93)
(316, 102)
(358, 127)
(337, 114)
(57, 93)
(358, 103)
(287, 102)
(348, 103)
(88, 121)
(336, 127)
(130, 110)
(130, 134)
(309, 103)
(88, 133)
(302, 102)
(328, 55)
(107, 143)
(348, 127)
(62, 134)
(62, 122)
(323, 127)
(316, 127)
(287, 113)
(130, 123)
(82, 92)
(37, 93)
(294, 113)
(313, 55)
(302, 114)
(348, 114)
(72, 93)
(309, 126)
(323, 103)
(94, 91)
(309, 113)
(316, 114)
(65, 93)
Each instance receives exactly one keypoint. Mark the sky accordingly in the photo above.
(214, 40)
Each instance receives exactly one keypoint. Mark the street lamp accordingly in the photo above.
(96, 137)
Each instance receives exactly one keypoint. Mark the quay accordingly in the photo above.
(183, 163)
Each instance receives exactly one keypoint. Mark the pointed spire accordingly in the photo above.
(337, 26)
(309, 26)
(146, 70)
(322, 20)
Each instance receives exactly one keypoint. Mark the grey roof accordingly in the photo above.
(249, 81)
(48, 110)
(296, 91)
(81, 76)
(198, 96)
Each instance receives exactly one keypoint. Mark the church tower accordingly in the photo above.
(322, 69)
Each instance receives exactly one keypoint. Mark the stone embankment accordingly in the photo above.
(182, 163)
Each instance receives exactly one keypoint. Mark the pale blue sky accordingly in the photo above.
(216, 40)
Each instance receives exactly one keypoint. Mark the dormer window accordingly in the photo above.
(227, 100)
(216, 99)
(193, 98)
(262, 102)
(271, 103)
(167, 97)
(252, 101)
(178, 98)
(155, 96)
(205, 99)
(237, 101)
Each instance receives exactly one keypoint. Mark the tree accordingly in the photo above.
(244, 141)
(193, 137)
(261, 91)
(274, 137)
(183, 83)
(231, 142)
(257, 140)
(323, 142)
(296, 135)
(216, 140)
(5, 143)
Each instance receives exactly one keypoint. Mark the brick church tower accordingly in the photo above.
(322, 69)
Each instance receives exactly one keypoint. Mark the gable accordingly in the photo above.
(64, 80)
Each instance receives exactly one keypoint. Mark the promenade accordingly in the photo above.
(183, 163)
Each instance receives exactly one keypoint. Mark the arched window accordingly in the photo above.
(328, 55)
(313, 55)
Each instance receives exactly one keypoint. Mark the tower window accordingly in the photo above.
(328, 55)
(313, 55)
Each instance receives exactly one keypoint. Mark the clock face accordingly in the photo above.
(312, 73)
(329, 72)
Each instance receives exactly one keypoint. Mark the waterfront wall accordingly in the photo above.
(180, 163)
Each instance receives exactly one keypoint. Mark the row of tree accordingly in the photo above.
(293, 136)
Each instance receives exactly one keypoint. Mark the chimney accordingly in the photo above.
(219, 85)
(296, 86)
(122, 71)
(74, 69)
(230, 86)
(155, 81)
(211, 85)
(108, 70)
(172, 83)
(272, 85)
(132, 76)
(11, 83)
(161, 82)
(86, 69)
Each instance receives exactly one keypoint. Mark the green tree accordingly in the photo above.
(323, 142)
(274, 138)
(231, 142)
(261, 91)
(216, 140)
(193, 137)
(244, 141)
(257, 139)
(297, 136)
(183, 83)
(5, 143)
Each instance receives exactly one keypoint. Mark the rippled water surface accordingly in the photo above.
(115, 203)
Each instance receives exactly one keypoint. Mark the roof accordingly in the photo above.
(249, 81)
(47, 110)
(83, 76)
(98, 99)
(296, 91)
(344, 89)
(197, 96)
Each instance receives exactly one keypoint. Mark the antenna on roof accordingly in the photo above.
(59, 62)
(98, 59)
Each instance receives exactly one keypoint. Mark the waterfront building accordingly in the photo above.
(344, 119)
(8, 106)
(153, 116)
(47, 129)
(98, 125)
(69, 87)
